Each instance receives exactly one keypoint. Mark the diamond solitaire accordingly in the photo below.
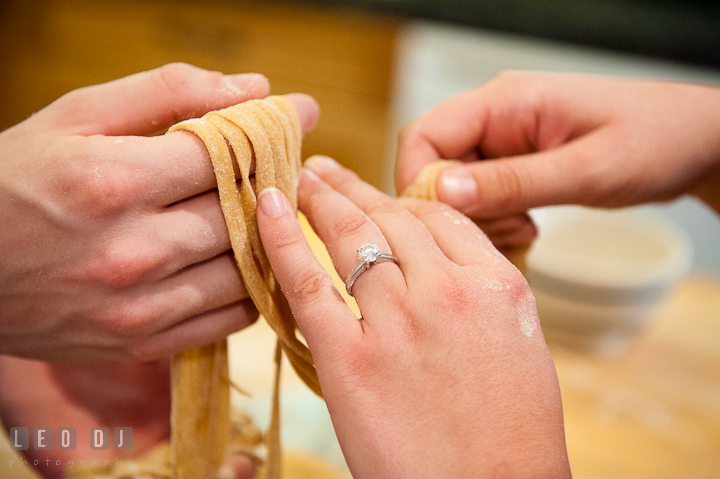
(369, 255)
(368, 252)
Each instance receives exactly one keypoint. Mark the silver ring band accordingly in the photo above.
(369, 255)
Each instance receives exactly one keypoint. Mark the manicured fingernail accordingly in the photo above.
(321, 164)
(272, 202)
(457, 188)
(240, 83)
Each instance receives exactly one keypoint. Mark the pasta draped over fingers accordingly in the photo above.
(265, 133)
(268, 133)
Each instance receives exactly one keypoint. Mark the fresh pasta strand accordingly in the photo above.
(268, 131)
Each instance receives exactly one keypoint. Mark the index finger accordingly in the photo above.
(321, 313)
(177, 166)
(496, 119)
(150, 102)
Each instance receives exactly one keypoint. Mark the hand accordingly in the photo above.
(447, 373)
(113, 245)
(568, 139)
(112, 394)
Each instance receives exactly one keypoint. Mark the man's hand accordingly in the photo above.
(113, 244)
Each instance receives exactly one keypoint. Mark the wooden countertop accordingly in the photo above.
(655, 411)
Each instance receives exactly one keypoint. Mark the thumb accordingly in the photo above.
(505, 186)
(150, 102)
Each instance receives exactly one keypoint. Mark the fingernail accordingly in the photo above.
(272, 202)
(240, 83)
(458, 188)
(307, 108)
(321, 164)
(307, 174)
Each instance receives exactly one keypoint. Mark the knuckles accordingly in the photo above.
(355, 224)
(348, 226)
(309, 285)
(126, 324)
(456, 298)
(177, 78)
(497, 289)
(121, 265)
(174, 76)
(98, 188)
(384, 207)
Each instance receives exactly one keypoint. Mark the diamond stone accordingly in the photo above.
(368, 252)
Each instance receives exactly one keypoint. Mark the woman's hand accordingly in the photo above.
(447, 373)
(110, 394)
(533, 139)
(113, 245)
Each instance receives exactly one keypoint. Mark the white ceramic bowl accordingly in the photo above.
(600, 275)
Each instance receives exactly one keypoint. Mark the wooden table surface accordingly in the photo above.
(653, 412)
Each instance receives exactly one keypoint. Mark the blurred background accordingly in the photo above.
(373, 65)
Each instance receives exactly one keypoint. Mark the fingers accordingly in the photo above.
(198, 305)
(512, 230)
(344, 228)
(157, 171)
(495, 188)
(490, 121)
(180, 163)
(307, 108)
(189, 232)
(457, 236)
(449, 131)
(534, 134)
(396, 223)
(150, 102)
(320, 312)
(196, 331)
(192, 291)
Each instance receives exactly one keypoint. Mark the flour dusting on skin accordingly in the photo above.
(527, 315)
(495, 285)
(456, 217)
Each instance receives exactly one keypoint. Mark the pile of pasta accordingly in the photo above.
(264, 134)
